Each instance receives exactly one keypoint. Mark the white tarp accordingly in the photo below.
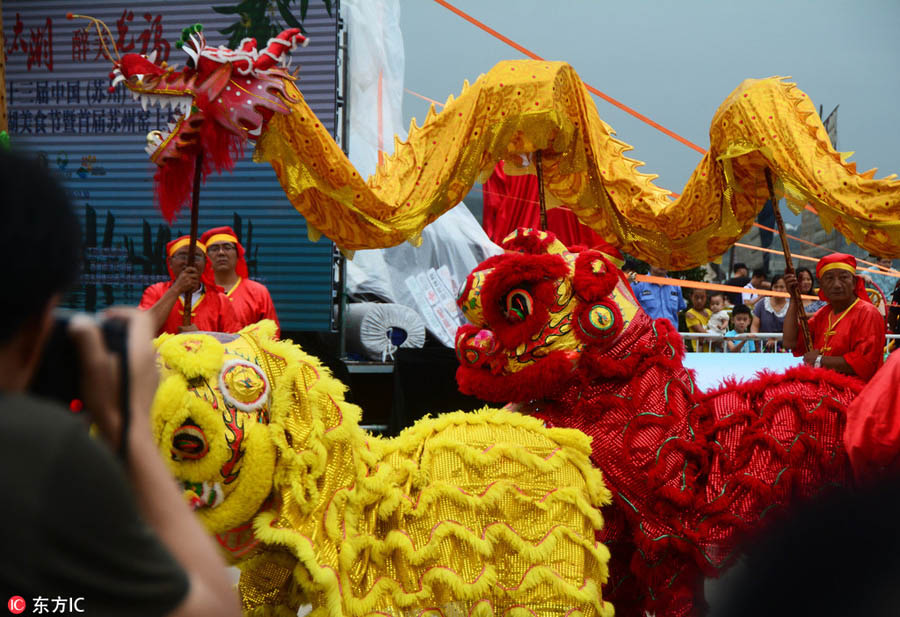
(455, 242)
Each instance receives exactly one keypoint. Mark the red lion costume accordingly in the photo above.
(561, 335)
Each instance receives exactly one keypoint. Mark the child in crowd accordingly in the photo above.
(716, 301)
(696, 318)
(769, 314)
(718, 321)
(742, 318)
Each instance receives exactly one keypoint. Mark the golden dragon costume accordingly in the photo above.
(485, 513)
(225, 98)
(492, 512)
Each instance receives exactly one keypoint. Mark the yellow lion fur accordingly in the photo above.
(484, 513)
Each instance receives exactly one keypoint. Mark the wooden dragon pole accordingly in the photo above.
(540, 180)
(195, 216)
(788, 263)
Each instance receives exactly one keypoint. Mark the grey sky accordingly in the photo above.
(676, 61)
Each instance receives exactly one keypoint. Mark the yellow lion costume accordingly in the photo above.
(485, 513)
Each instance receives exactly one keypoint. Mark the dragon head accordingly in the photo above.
(211, 420)
(239, 90)
(218, 100)
(537, 312)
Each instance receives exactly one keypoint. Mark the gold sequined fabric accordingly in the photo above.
(467, 514)
(523, 106)
(470, 513)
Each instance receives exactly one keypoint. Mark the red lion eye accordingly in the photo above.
(519, 305)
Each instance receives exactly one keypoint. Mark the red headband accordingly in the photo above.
(841, 261)
(217, 235)
(207, 276)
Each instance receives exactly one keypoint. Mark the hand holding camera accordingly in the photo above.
(106, 363)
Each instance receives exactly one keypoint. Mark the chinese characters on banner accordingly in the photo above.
(110, 266)
(86, 42)
(46, 107)
(36, 44)
(41, 105)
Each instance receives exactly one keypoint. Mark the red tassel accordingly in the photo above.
(173, 187)
(174, 179)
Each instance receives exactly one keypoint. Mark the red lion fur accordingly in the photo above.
(691, 473)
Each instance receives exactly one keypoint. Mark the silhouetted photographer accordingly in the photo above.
(107, 536)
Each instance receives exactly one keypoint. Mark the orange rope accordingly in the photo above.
(489, 30)
(818, 246)
(643, 118)
(773, 251)
(646, 278)
(874, 269)
(423, 97)
(590, 88)
(891, 273)
(380, 118)
(775, 231)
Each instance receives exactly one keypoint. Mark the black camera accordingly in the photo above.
(58, 376)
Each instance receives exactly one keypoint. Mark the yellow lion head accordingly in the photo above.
(211, 416)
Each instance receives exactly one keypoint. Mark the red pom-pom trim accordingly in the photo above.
(598, 324)
(591, 285)
(530, 241)
(538, 273)
(545, 379)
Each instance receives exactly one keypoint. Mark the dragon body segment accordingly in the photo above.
(521, 107)
(690, 472)
(485, 513)
(225, 98)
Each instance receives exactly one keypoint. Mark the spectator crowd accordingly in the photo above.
(737, 316)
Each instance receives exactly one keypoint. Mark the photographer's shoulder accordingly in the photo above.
(23, 414)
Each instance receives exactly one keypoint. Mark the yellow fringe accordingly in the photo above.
(386, 525)
(193, 355)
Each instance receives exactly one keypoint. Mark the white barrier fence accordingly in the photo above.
(706, 336)
(711, 368)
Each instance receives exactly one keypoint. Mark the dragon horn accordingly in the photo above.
(97, 23)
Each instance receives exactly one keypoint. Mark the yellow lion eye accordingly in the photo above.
(519, 305)
(189, 442)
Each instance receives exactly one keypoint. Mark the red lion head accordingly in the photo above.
(540, 315)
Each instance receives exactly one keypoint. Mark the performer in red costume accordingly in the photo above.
(250, 300)
(848, 333)
(872, 437)
(210, 309)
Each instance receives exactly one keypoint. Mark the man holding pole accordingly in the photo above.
(210, 309)
(848, 333)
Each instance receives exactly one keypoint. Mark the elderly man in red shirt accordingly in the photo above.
(848, 332)
(210, 309)
(250, 300)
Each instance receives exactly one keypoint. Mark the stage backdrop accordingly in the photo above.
(60, 109)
